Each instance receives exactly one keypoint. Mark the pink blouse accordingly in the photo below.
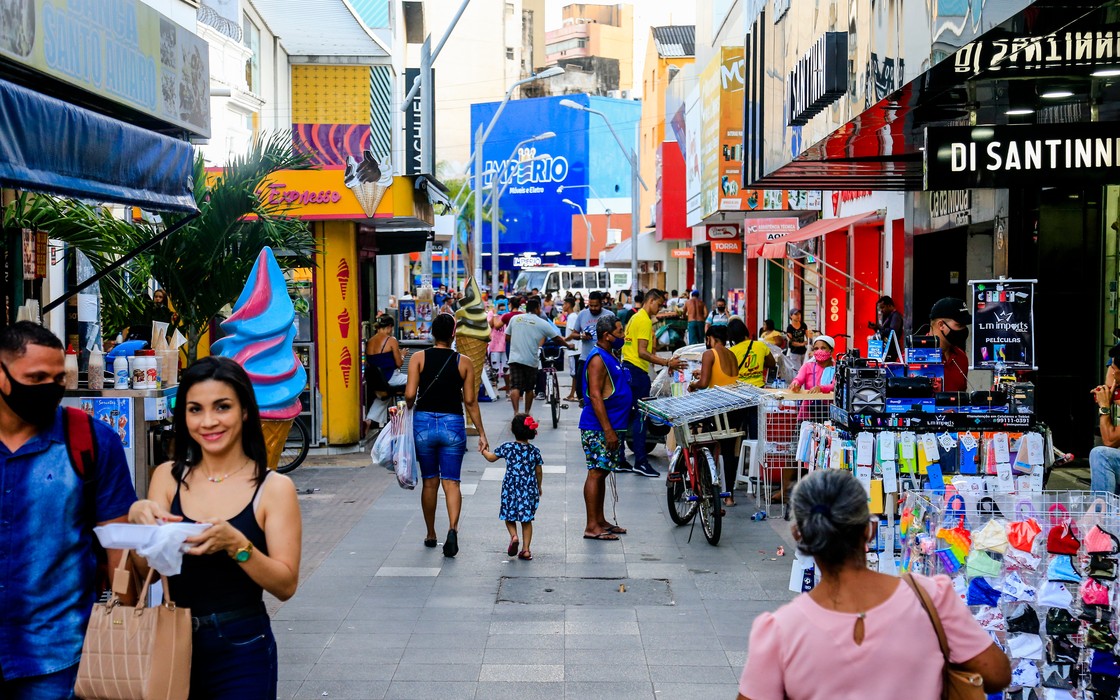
(810, 375)
(806, 652)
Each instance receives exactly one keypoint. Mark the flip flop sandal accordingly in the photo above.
(601, 536)
(512, 548)
(525, 555)
(616, 530)
(430, 543)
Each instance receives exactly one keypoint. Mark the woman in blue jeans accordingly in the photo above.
(436, 378)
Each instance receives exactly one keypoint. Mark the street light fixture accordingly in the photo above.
(496, 212)
(602, 202)
(480, 139)
(587, 223)
(635, 180)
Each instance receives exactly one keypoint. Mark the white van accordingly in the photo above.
(562, 280)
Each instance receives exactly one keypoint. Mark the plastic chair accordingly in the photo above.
(748, 466)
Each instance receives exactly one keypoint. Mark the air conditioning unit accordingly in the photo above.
(616, 94)
(624, 94)
(655, 266)
(614, 236)
(643, 268)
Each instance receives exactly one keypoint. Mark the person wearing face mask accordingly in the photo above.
(719, 315)
(817, 375)
(949, 321)
(49, 512)
(606, 411)
(1104, 460)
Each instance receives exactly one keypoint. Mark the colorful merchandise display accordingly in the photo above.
(1038, 570)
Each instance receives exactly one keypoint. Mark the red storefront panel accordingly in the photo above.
(671, 224)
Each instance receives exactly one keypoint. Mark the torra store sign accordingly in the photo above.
(818, 79)
(1015, 156)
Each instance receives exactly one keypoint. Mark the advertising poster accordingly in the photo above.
(115, 412)
(1002, 324)
(407, 310)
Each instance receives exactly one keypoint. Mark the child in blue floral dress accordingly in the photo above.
(521, 488)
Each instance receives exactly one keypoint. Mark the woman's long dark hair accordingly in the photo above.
(188, 453)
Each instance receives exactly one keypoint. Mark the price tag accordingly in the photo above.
(906, 449)
(863, 474)
(865, 449)
(888, 449)
(890, 477)
(929, 446)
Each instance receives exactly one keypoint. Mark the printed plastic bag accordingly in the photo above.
(404, 452)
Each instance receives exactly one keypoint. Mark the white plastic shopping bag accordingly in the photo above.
(404, 451)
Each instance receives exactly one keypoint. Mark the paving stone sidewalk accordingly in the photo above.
(378, 615)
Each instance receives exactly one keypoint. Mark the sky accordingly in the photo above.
(647, 13)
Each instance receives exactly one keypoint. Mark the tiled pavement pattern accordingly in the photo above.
(378, 615)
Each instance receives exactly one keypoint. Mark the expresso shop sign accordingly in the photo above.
(818, 78)
(1021, 156)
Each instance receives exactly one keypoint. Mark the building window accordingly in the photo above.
(251, 37)
(509, 53)
(566, 45)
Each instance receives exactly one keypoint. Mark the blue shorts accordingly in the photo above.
(441, 443)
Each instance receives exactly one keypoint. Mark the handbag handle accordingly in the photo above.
(142, 598)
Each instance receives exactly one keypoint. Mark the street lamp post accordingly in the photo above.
(479, 140)
(606, 210)
(496, 212)
(635, 180)
(587, 223)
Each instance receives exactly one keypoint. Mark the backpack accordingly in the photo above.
(77, 429)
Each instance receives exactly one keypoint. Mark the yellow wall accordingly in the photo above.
(654, 83)
(336, 299)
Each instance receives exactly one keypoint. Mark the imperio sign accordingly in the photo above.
(818, 78)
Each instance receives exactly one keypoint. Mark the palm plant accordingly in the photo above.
(202, 266)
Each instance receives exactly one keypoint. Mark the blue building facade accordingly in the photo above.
(581, 158)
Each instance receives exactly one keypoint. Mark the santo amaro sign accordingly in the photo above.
(1017, 156)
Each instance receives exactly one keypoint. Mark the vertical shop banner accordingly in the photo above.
(1002, 324)
(339, 347)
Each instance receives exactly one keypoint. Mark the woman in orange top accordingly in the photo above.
(718, 367)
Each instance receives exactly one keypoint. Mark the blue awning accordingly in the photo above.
(47, 145)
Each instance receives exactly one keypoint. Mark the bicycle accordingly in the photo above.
(552, 358)
(295, 449)
(694, 483)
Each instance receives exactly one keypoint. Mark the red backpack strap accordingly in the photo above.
(77, 426)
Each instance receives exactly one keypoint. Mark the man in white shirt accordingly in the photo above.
(526, 333)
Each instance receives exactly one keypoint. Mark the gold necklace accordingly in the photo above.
(220, 479)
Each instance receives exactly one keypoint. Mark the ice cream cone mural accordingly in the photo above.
(344, 323)
(369, 180)
(472, 332)
(342, 272)
(345, 363)
(259, 336)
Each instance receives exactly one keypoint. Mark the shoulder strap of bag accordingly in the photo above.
(931, 611)
(747, 355)
(436, 378)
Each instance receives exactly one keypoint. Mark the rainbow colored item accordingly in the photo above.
(958, 538)
(259, 337)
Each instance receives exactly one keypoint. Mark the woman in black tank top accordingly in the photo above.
(220, 476)
(436, 378)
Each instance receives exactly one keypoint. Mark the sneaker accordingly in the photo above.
(645, 469)
(624, 466)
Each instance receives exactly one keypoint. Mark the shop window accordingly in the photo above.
(251, 37)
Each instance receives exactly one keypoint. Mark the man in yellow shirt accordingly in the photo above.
(638, 353)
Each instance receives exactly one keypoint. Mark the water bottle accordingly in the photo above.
(120, 371)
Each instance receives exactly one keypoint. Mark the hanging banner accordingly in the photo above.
(761, 231)
(1002, 324)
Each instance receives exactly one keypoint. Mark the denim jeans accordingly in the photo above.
(234, 661)
(52, 686)
(441, 443)
(1104, 469)
(640, 386)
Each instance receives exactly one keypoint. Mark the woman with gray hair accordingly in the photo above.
(859, 633)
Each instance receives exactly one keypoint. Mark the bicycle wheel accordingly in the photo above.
(295, 449)
(554, 398)
(711, 518)
(678, 493)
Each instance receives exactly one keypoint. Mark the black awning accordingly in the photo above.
(47, 145)
(374, 241)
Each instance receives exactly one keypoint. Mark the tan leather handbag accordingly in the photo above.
(957, 684)
(136, 653)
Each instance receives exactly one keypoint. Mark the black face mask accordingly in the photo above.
(34, 403)
(955, 337)
(721, 309)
